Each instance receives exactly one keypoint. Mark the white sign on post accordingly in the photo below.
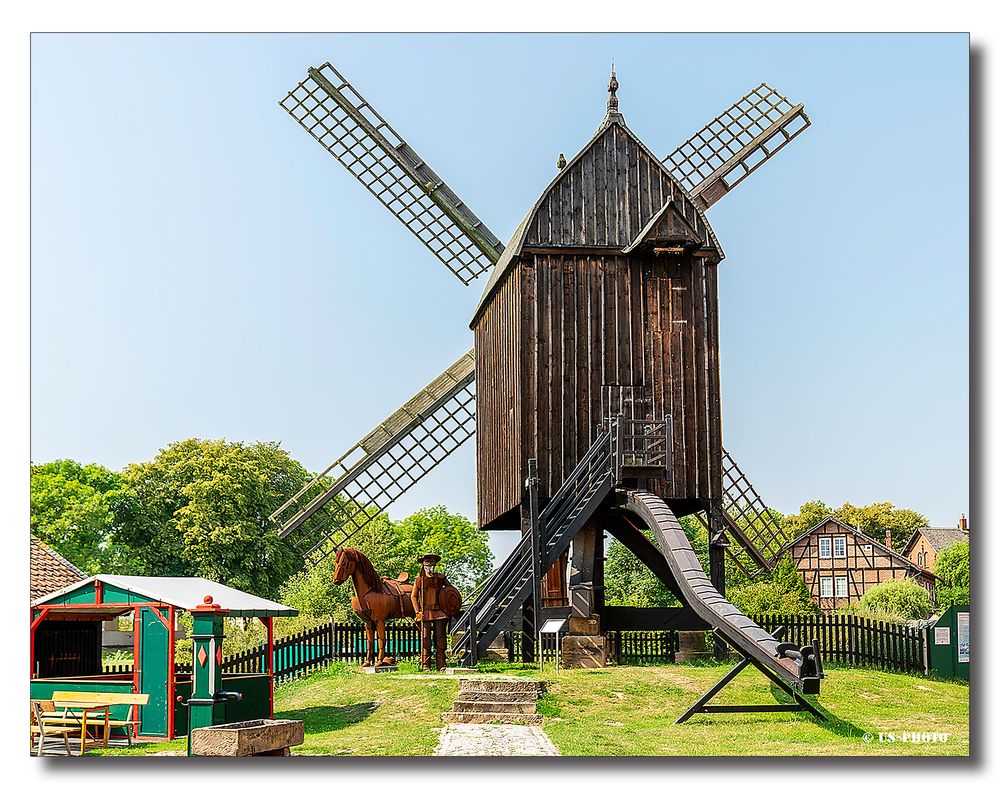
(963, 636)
(942, 635)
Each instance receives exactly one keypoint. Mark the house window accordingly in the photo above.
(841, 586)
(824, 547)
(839, 547)
(826, 587)
(920, 559)
(866, 547)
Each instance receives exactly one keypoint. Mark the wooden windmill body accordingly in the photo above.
(604, 304)
(602, 310)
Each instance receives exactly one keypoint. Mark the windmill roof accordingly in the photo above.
(511, 253)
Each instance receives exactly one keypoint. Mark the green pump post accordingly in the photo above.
(206, 635)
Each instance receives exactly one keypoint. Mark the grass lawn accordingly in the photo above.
(629, 711)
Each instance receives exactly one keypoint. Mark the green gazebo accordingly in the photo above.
(66, 648)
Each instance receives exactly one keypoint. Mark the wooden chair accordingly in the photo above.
(45, 726)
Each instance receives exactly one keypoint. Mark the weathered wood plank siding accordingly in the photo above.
(577, 330)
(498, 390)
(648, 322)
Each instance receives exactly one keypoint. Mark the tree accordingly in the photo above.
(787, 577)
(627, 581)
(902, 598)
(809, 514)
(73, 510)
(465, 553)
(201, 507)
(952, 568)
(875, 519)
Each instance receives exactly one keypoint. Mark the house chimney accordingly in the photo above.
(888, 538)
(963, 524)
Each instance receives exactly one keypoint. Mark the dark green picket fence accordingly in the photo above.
(845, 639)
(854, 640)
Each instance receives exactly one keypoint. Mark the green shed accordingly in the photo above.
(66, 646)
(948, 643)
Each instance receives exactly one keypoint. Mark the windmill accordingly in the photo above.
(665, 224)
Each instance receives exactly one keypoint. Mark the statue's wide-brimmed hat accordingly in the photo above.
(433, 558)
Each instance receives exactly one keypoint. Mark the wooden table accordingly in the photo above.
(86, 708)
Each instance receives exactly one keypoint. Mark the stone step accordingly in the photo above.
(532, 719)
(494, 706)
(529, 696)
(502, 685)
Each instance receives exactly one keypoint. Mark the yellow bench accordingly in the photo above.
(69, 697)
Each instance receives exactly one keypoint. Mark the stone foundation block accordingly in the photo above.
(584, 626)
(584, 652)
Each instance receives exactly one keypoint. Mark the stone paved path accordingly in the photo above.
(494, 739)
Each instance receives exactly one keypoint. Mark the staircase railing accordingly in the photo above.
(625, 443)
(571, 506)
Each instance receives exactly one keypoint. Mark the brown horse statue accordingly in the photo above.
(375, 600)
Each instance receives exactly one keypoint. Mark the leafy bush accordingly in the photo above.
(768, 597)
(902, 598)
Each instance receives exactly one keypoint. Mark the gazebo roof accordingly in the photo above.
(181, 592)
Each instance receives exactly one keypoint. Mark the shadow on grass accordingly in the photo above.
(833, 724)
(319, 720)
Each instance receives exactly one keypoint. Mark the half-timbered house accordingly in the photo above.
(839, 563)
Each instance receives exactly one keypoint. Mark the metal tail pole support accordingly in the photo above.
(802, 703)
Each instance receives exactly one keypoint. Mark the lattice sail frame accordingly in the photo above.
(327, 106)
(754, 536)
(730, 147)
(361, 484)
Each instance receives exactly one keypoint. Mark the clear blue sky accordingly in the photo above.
(201, 267)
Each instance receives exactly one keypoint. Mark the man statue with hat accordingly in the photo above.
(434, 601)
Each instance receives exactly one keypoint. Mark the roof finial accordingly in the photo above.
(612, 87)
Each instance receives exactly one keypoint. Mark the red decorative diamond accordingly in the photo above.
(218, 655)
(202, 656)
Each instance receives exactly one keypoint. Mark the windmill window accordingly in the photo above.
(826, 587)
(841, 585)
(824, 548)
(839, 547)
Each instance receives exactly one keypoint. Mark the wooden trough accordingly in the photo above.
(262, 737)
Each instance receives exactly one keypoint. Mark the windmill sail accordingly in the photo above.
(353, 490)
(735, 143)
(343, 122)
(362, 483)
(755, 535)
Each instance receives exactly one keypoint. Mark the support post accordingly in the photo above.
(717, 560)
